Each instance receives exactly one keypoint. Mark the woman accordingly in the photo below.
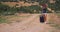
(44, 12)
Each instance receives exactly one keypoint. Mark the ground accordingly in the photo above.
(27, 24)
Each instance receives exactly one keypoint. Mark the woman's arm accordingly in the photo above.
(50, 10)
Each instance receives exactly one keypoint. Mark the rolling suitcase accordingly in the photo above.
(42, 19)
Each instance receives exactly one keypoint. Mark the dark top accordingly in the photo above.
(44, 10)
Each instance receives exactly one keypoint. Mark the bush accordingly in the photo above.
(30, 9)
(6, 10)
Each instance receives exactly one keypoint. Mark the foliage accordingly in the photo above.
(6, 10)
(30, 9)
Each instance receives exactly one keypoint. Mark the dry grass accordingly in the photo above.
(20, 3)
(13, 18)
(55, 22)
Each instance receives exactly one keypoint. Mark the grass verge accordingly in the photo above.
(3, 20)
(55, 23)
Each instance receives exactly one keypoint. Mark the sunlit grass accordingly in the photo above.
(3, 20)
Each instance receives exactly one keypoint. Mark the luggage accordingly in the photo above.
(42, 19)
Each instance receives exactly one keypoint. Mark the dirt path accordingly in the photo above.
(31, 24)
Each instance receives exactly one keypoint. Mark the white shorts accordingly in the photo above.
(44, 14)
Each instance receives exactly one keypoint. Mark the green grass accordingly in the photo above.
(58, 14)
(3, 20)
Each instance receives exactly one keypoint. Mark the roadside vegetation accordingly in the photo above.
(3, 20)
(55, 23)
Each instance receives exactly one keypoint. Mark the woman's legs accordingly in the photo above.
(45, 17)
